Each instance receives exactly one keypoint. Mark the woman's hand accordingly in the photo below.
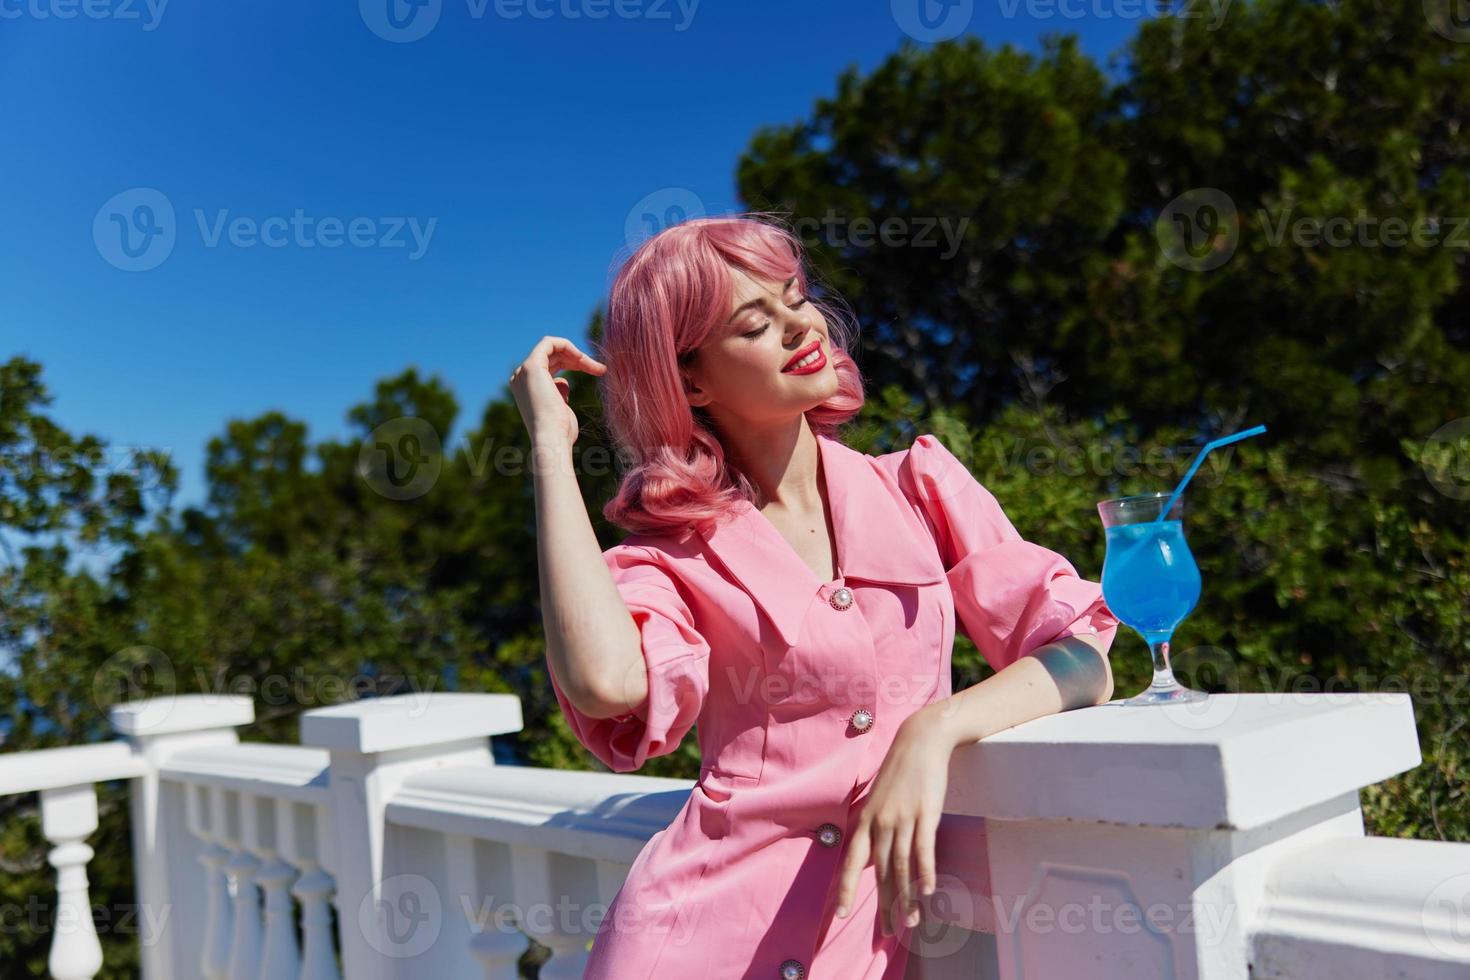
(543, 398)
(899, 820)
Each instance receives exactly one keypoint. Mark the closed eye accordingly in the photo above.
(762, 328)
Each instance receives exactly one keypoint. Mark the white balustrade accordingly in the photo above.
(375, 745)
(65, 779)
(1197, 842)
(1127, 842)
(562, 843)
(1365, 909)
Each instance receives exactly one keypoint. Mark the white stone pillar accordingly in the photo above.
(375, 744)
(1136, 842)
(156, 728)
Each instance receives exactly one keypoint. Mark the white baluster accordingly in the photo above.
(472, 893)
(300, 842)
(278, 955)
(540, 876)
(199, 800)
(68, 816)
(318, 959)
(245, 931)
(216, 960)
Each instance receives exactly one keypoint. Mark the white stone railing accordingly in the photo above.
(66, 780)
(1208, 841)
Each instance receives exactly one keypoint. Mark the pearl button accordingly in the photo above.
(829, 834)
(862, 719)
(841, 598)
(792, 970)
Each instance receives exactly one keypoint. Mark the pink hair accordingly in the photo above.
(664, 302)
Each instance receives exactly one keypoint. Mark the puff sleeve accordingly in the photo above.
(1011, 596)
(677, 658)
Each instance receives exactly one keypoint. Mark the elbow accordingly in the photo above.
(619, 698)
(1079, 667)
(1105, 681)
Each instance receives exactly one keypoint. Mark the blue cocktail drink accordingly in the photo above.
(1150, 582)
(1150, 579)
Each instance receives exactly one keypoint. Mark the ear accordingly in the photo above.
(695, 395)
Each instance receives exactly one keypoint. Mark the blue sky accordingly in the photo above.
(515, 136)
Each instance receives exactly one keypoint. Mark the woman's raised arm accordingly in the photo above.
(592, 643)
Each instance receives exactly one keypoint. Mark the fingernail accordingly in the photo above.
(842, 911)
(914, 917)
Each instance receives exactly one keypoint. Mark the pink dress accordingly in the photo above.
(798, 686)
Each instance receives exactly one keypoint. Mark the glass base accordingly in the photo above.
(1175, 694)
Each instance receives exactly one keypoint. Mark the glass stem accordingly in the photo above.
(1163, 673)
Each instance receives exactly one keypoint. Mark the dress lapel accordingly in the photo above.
(879, 539)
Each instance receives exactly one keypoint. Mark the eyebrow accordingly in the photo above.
(749, 303)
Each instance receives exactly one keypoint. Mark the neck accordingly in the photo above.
(780, 459)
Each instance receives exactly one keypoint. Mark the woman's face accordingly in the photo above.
(740, 374)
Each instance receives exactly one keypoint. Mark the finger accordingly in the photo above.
(563, 352)
(564, 387)
(852, 868)
(924, 834)
(901, 889)
(882, 853)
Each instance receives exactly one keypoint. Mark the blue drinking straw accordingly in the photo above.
(1200, 458)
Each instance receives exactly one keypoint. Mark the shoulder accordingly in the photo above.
(656, 558)
(928, 473)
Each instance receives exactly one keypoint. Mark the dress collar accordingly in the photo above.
(879, 539)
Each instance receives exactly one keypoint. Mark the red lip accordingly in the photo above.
(814, 345)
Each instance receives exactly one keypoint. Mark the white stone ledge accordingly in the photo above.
(602, 816)
(279, 771)
(1370, 907)
(78, 765)
(1234, 762)
(408, 721)
(176, 713)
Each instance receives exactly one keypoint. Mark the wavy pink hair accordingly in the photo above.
(664, 302)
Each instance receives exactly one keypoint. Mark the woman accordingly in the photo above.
(796, 598)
